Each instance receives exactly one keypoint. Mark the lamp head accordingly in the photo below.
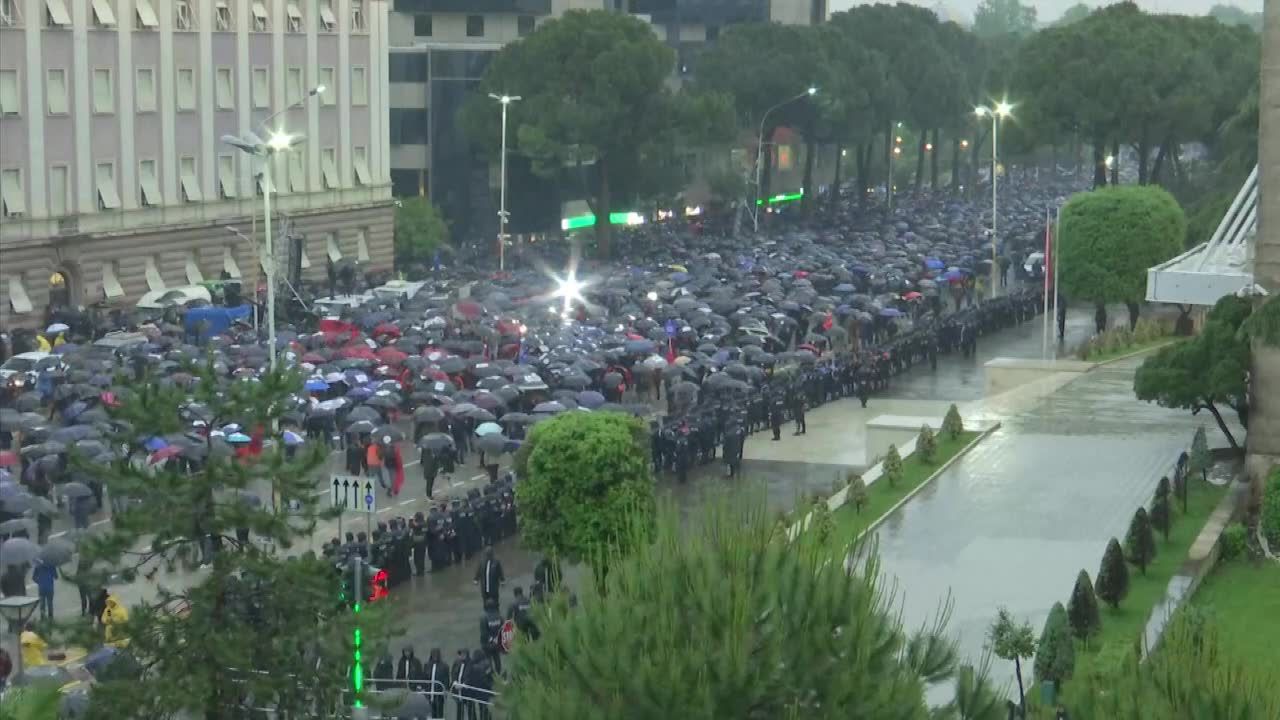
(812, 90)
(279, 141)
(316, 90)
(980, 111)
(1003, 109)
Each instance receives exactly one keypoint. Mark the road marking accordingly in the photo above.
(481, 476)
(402, 503)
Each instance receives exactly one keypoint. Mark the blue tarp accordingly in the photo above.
(218, 319)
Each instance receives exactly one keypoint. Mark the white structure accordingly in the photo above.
(1221, 266)
(113, 179)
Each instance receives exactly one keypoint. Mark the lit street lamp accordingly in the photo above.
(505, 100)
(277, 141)
(1002, 109)
(17, 610)
(809, 92)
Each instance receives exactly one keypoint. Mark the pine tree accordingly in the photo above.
(857, 492)
(1113, 575)
(1082, 609)
(952, 425)
(1161, 515)
(892, 466)
(253, 622)
(926, 444)
(1162, 487)
(821, 524)
(1056, 650)
(1200, 460)
(1140, 541)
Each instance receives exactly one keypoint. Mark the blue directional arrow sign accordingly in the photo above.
(671, 328)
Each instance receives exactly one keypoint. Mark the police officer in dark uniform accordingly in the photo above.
(798, 410)
(418, 532)
(775, 417)
(521, 613)
(491, 633)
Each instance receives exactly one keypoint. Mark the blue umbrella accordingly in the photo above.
(238, 438)
(933, 263)
(953, 275)
(291, 438)
(316, 385)
(96, 661)
(845, 288)
(74, 409)
(155, 443)
(679, 277)
(590, 399)
(891, 313)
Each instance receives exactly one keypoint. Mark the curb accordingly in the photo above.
(927, 482)
(1135, 353)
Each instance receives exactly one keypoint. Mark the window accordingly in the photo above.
(524, 25)
(407, 67)
(293, 86)
(56, 91)
(183, 17)
(194, 276)
(186, 89)
(229, 265)
(148, 184)
(225, 88)
(105, 178)
(104, 95)
(154, 280)
(144, 94)
(146, 15)
(359, 86)
(713, 32)
(103, 16)
(111, 280)
(260, 23)
(360, 163)
(11, 196)
(329, 168)
(362, 247)
(357, 15)
(261, 88)
(408, 126)
(226, 176)
(189, 180)
(297, 172)
(330, 94)
(222, 16)
(295, 17)
(328, 21)
(18, 295)
(331, 247)
(475, 26)
(59, 187)
(56, 13)
(10, 98)
(422, 25)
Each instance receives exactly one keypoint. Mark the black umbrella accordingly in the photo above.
(435, 441)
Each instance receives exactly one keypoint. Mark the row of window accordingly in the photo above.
(186, 90)
(13, 202)
(185, 15)
(423, 25)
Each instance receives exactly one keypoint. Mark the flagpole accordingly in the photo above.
(1057, 240)
(1046, 326)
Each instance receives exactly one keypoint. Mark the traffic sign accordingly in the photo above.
(350, 492)
(508, 636)
(671, 328)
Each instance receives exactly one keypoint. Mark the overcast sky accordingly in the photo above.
(1048, 10)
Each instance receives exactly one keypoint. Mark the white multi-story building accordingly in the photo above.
(114, 179)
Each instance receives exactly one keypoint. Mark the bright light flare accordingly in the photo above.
(653, 296)
(279, 141)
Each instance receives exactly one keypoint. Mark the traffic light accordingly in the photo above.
(377, 583)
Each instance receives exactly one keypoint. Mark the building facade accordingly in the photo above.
(1264, 400)
(114, 179)
(440, 50)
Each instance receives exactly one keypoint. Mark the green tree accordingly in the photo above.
(820, 521)
(1140, 541)
(1269, 519)
(1113, 575)
(1010, 640)
(1082, 609)
(1110, 237)
(253, 622)
(857, 492)
(1232, 15)
(1161, 515)
(594, 98)
(1073, 14)
(1200, 460)
(1205, 371)
(1056, 649)
(926, 444)
(998, 19)
(892, 466)
(747, 624)
(420, 231)
(31, 702)
(952, 425)
(583, 477)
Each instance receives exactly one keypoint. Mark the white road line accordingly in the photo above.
(408, 502)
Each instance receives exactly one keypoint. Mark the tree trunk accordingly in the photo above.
(888, 159)
(920, 152)
(1157, 166)
(1184, 327)
(1115, 162)
(835, 184)
(955, 165)
(1222, 425)
(810, 192)
(1099, 163)
(863, 153)
(1134, 310)
(1144, 151)
(975, 161)
(933, 161)
(1100, 318)
(766, 172)
(1177, 162)
(604, 228)
(1022, 695)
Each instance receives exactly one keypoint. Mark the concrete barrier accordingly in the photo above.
(1004, 374)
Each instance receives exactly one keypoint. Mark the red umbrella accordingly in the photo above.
(468, 309)
(386, 329)
(912, 296)
(8, 458)
(800, 274)
(361, 352)
(165, 453)
(313, 358)
(508, 326)
(391, 356)
(809, 347)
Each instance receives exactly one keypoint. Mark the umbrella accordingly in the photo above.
(57, 552)
(362, 427)
(57, 328)
(18, 551)
(8, 458)
(435, 441)
(891, 313)
(75, 490)
(388, 434)
(549, 407)
(590, 399)
(488, 428)
(316, 385)
(291, 438)
(429, 414)
(493, 443)
(9, 527)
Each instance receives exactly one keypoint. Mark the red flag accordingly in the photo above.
(827, 322)
(671, 351)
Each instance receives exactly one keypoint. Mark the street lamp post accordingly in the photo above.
(18, 610)
(505, 101)
(277, 141)
(1002, 109)
(809, 92)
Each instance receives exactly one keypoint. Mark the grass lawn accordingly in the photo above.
(881, 496)
(1123, 625)
(1244, 598)
(1101, 357)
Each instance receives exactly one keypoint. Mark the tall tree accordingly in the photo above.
(1113, 575)
(420, 231)
(746, 624)
(1014, 641)
(1004, 18)
(1140, 541)
(594, 97)
(1082, 609)
(1055, 650)
(1073, 14)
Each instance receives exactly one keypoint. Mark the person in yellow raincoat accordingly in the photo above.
(115, 615)
(33, 649)
(43, 344)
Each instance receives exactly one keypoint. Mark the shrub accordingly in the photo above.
(1200, 460)
(1233, 542)
(1161, 515)
(952, 425)
(1056, 650)
(857, 492)
(1113, 575)
(1270, 517)
(1082, 609)
(1140, 541)
(821, 523)
(892, 466)
(926, 444)
(1162, 487)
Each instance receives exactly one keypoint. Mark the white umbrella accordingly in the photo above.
(488, 428)
(57, 328)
